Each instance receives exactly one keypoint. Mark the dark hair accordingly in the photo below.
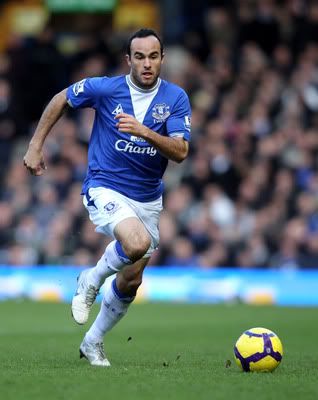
(142, 33)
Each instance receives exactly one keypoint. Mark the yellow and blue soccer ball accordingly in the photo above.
(258, 349)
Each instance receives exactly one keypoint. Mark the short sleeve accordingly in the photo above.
(179, 122)
(85, 93)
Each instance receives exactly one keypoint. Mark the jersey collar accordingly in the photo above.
(135, 87)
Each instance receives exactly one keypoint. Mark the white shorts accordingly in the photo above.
(107, 208)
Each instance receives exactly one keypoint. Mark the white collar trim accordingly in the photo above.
(135, 87)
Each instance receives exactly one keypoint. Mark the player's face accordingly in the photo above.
(145, 61)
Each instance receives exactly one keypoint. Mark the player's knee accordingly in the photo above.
(138, 246)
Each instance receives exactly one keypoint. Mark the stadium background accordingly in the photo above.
(247, 196)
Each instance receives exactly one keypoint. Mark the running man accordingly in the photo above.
(141, 122)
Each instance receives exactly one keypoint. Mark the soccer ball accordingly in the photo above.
(258, 349)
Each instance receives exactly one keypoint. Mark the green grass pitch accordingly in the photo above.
(175, 352)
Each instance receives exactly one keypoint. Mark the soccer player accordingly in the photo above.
(141, 122)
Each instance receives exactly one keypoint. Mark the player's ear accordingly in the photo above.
(128, 60)
(162, 57)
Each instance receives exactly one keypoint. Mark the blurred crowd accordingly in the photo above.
(247, 196)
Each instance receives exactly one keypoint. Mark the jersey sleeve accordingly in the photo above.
(179, 122)
(85, 93)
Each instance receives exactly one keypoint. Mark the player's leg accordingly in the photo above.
(133, 240)
(132, 243)
(119, 293)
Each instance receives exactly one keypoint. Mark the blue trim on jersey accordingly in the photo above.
(120, 161)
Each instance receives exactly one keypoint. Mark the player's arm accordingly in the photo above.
(33, 159)
(173, 148)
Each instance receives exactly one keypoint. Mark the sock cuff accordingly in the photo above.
(121, 296)
(121, 254)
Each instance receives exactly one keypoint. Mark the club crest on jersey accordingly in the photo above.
(79, 87)
(160, 112)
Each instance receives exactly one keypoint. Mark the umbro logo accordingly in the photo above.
(118, 110)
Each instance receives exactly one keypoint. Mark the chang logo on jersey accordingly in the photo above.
(129, 147)
(160, 112)
(79, 87)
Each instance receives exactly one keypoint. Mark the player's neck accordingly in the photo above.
(134, 84)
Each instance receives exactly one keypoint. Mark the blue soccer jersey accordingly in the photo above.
(120, 161)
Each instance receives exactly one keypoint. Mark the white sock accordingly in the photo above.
(110, 263)
(114, 306)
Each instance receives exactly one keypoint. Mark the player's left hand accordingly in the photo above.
(128, 124)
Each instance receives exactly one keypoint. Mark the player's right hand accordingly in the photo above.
(34, 161)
